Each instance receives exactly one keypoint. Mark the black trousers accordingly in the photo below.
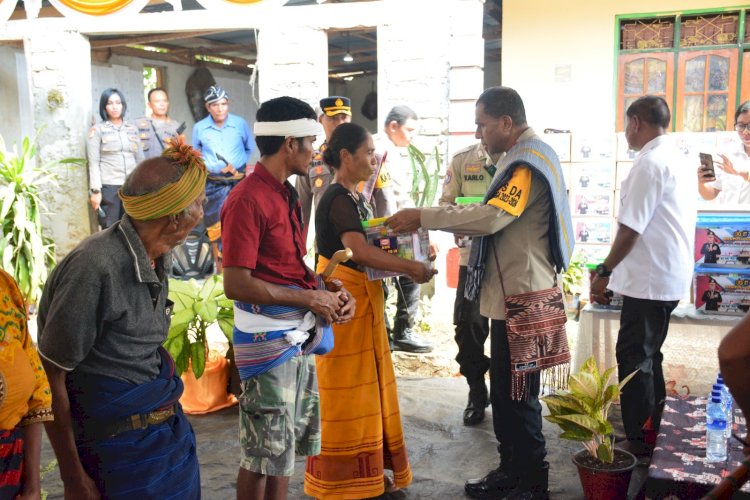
(517, 424)
(407, 304)
(472, 330)
(643, 329)
(112, 206)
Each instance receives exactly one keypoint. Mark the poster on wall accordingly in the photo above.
(591, 202)
(592, 175)
(593, 231)
(592, 147)
(592, 254)
(691, 144)
(560, 143)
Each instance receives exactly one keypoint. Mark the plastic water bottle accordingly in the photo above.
(716, 424)
(727, 398)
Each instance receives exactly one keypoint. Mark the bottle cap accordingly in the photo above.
(720, 379)
(715, 399)
(716, 393)
(717, 387)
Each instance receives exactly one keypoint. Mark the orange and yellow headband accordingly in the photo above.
(175, 197)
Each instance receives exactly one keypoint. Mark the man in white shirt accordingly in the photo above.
(650, 262)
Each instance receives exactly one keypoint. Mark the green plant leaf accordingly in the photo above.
(584, 385)
(175, 345)
(198, 358)
(574, 435)
(211, 284)
(627, 379)
(207, 311)
(583, 421)
(605, 453)
(226, 323)
(181, 320)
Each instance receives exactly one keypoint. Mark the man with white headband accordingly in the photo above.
(265, 274)
(226, 143)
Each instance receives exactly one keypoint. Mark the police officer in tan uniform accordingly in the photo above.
(113, 149)
(469, 175)
(157, 130)
(335, 110)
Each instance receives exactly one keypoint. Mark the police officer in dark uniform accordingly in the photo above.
(156, 131)
(335, 110)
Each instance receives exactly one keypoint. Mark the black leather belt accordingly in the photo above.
(131, 423)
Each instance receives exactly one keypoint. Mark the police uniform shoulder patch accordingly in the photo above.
(513, 196)
(448, 177)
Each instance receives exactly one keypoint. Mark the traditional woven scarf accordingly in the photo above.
(175, 197)
(542, 160)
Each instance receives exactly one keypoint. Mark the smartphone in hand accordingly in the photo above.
(707, 164)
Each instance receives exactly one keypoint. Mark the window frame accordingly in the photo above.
(741, 49)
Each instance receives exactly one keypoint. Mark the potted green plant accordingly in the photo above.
(25, 252)
(573, 280)
(204, 373)
(582, 413)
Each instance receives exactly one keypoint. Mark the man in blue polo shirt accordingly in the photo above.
(226, 143)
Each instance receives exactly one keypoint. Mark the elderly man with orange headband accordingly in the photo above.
(119, 431)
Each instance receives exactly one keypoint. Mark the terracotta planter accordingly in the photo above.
(600, 484)
(208, 393)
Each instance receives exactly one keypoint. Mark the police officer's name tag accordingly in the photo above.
(513, 196)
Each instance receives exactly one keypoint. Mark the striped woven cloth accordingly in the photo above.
(266, 336)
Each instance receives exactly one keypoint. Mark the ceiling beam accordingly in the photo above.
(238, 65)
(147, 39)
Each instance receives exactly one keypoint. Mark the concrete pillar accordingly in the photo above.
(293, 61)
(59, 76)
(413, 66)
(466, 70)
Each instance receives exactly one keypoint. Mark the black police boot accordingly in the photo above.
(533, 485)
(409, 341)
(497, 484)
(474, 412)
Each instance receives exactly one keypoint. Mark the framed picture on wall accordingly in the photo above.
(592, 175)
(593, 231)
(560, 143)
(591, 203)
(592, 147)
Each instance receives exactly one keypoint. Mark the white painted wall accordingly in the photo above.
(539, 35)
(12, 126)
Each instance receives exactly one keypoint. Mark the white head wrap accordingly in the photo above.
(303, 127)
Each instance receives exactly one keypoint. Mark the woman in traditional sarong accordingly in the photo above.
(361, 423)
(25, 398)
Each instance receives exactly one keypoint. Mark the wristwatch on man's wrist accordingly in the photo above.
(602, 271)
(94, 191)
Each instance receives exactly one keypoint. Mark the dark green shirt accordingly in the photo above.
(104, 310)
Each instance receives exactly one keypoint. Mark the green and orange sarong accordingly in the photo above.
(361, 430)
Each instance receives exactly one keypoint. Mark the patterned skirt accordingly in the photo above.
(11, 462)
(361, 431)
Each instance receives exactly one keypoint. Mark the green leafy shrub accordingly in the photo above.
(196, 307)
(582, 411)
